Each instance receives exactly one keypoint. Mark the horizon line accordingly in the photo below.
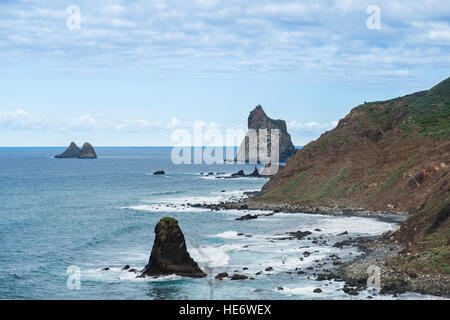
(131, 146)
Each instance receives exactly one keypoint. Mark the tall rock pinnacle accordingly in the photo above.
(259, 120)
(169, 253)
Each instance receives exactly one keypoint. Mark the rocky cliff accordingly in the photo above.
(384, 156)
(390, 156)
(259, 120)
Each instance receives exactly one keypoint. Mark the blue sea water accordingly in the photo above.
(92, 214)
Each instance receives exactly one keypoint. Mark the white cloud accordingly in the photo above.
(309, 127)
(83, 122)
(120, 23)
(291, 9)
(114, 9)
(211, 37)
(21, 120)
(439, 32)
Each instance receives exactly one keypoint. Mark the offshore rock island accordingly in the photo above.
(259, 120)
(86, 152)
(169, 253)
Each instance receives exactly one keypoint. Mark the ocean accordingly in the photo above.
(60, 215)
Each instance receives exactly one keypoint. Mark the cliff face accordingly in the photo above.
(385, 156)
(259, 120)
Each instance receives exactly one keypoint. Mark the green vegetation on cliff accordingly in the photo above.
(385, 156)
(426, 236)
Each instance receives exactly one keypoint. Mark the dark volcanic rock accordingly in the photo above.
(259, 120)
(222, 275)
(169, 254)
(159, 172)
(71, 152)
(87, 152)
(255, 173)
(240, 173)
(350, 291)
(324, 276)
(238, 277)
(299, 235)
(247, 217)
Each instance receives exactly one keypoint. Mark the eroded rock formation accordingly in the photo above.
(258, 120)
(169, 254)
(86, 152)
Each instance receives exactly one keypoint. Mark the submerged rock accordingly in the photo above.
(169, 253)
(299, 235)
(222, 275)
(247, 217)
(238, 277)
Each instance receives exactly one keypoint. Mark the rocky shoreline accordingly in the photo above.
(249, 204)
(379, 251)
(382, 253)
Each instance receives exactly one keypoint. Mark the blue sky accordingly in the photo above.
(137, 70)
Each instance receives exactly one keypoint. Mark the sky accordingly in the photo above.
(130, 73)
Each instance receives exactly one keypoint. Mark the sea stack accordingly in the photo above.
(71, 152)
(87, 152)
(169, 253)
(259, 120)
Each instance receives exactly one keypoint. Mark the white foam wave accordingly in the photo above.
(360, 225)
(117, 274)
(164, 208)
(214, 257)
(227, 235)
(303, 291)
